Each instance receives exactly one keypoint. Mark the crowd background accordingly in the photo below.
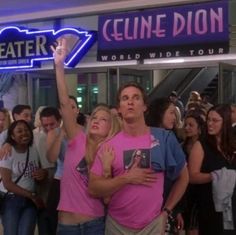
(68, 142)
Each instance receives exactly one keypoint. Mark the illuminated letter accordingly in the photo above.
(117, 36)
(104, 30)
(126, 34)
(201, 15)
(178, 20)
(210, 51)
(216, 18)
(146, 25)
(10, 51)
(136, 20)
(2, 50)
(29, 47)
(40, 45)
(19, 48)
(159, 32)
(221, 50)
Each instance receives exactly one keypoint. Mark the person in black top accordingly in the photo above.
(209, 155)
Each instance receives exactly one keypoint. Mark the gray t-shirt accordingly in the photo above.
(16, 163)
(40, 142)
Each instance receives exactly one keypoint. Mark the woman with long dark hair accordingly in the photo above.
(212, 165)
(194, 129)
(161, 113)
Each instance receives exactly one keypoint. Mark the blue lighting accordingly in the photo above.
(21, 48)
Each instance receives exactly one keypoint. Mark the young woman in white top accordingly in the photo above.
(19, 172)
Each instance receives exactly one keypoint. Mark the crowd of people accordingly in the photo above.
(139, 169)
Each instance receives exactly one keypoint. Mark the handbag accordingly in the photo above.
(4, 194)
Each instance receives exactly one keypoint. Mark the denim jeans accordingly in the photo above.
(19, 216)
(93, 227)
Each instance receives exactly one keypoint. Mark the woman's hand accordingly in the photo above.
(5, 151)
(38, 201)
(107, 157)
(39, 174)
(60, 51)
(179, 221)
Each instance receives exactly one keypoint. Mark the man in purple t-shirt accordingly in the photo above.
(136, 188)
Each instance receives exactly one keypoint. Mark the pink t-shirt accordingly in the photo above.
(133, 206)
(74, 195)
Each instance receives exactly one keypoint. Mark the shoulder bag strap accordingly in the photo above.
(26, 164)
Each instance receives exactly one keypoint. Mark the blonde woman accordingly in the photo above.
(5, 120)
(79, 213)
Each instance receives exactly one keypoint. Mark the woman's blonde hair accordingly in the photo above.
(37, 122)
(93, 145)
(178, 121)
(7, 121)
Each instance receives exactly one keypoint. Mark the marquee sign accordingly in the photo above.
(24, 48)
(187, 30)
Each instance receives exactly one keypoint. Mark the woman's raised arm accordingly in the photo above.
(69, 119)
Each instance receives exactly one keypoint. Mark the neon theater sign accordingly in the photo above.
(24, 48)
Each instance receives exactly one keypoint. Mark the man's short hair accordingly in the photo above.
(19, 108)
(132, 84)
(50, 111)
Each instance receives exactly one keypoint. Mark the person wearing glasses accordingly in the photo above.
(212, 165)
